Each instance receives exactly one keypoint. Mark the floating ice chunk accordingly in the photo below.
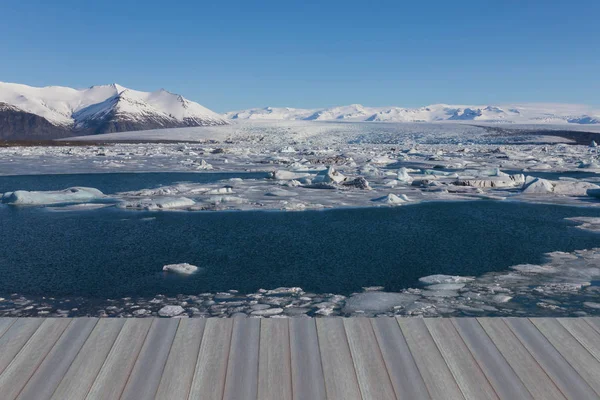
(446, 286)
(223, 190)
(358, 183)
(590, 304)
(330, 175)
(501, 298)
(535, 269)
(288, 149)
(439, 278)
(228, 199)
(170, 311)
(403, 175)
(267, 312)
(283, 175)
(538, 186)
(283, 291)
(70, 195)
(392, 199)
(376, 302)
(493, 181)
(183, 268)
(573, 188)
(158, 203)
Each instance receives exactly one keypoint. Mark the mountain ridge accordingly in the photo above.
(529, 113)
(57, 111)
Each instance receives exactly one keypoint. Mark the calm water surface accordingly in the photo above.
(110, 252)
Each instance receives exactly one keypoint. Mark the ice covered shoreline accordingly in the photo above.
(369, 165)
(565, 285)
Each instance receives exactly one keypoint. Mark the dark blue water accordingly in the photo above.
(110, 252)
(110, 183)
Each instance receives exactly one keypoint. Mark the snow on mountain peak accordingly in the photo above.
(65, 106)
(511, 113)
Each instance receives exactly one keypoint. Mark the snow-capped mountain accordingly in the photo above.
(513, 113)
(54, 111)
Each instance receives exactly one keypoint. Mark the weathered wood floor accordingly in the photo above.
(301, 358)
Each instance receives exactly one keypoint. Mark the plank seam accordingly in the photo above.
(504, 358)
(320, 359)
(104, 362)
(452, 320)
(592, 325)
(74, 358)
(22, 347)
(196, 364)
(576, 338)
(136, 358)
(290, 358)
(413, 357)
(9, 326)
(352, 358)
(533, 357)
(382, 358)
(563, 357)
(46, 355)
(166, 359)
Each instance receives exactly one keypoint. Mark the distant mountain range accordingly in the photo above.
(56, 112)
(53, 112)
(514, 113)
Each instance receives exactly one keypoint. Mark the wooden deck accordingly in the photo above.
(300, 358)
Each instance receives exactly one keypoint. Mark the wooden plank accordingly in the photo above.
(179, 371)
(114, 373)
(242, 368)
(6, 323)
(584, 333)
(24, 365)
(434, 370)
(499, 373)
(308, 382)
(594, 322)
(338, 368)
(560, 371)
(580, 359)
(51, 371)
(467, 373)
(211, 368)
(15, 338)
(403, 371)
(83, 371)
(147, 371)
(274, 363)
(371, 372)
(525, 366)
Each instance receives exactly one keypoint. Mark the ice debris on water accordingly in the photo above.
(183, 268)
(70, 195)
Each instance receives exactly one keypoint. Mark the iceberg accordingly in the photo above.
(70, 195)
(183, 268)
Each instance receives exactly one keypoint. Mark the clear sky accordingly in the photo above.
(230, 55)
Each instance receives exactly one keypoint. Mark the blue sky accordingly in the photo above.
(231, 55)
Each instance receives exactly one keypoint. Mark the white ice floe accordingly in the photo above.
(377, 301)
(392, 199)
(403, 175)
(438, 278)
(170, 311)
(330, 175)
(158, 203)
(70, 195)
(183, 268)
